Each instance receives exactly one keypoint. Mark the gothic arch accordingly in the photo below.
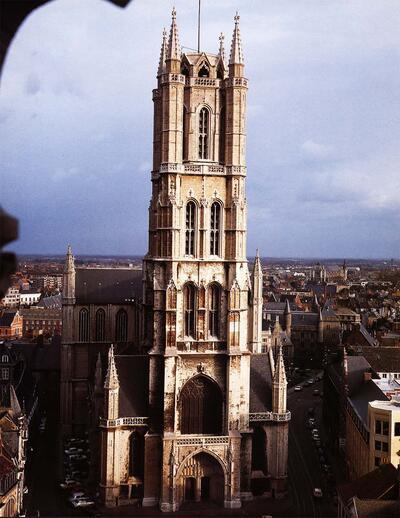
(204, 131)
(201, 406)
(206, 474)
(100, 330)
(84, 325)
(121, 326)
(214, 293)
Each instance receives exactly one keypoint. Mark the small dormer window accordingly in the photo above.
(204, 70)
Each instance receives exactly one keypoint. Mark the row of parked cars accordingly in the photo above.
(76, 458)
(325, 465)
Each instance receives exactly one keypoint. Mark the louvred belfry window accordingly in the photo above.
(215, 221)
(201, 407)
(190, 228)
(203, 133)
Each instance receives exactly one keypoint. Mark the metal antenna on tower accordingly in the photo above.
(198, 28)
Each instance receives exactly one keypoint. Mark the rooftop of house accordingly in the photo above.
(373, 485)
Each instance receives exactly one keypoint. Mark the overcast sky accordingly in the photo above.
(323, 123)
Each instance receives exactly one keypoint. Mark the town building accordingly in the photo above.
(10, 325)
(11, 298)
(190, 408)
(41, 321)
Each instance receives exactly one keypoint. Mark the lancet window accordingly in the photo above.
(215, 230)
(189, 295)
(84, 325)
(121, 326)
(190, 228)
(204, 122)
(214, 314)
(100, 325)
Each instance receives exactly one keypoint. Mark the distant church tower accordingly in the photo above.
(196, 278)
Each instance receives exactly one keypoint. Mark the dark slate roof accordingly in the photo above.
(372, 485)
(278, 306)
(260, 383)
(107, 285)
(367, 391)
(382, 359)
(54, 301)
(133, 375)
(7, 318)
(304, 318)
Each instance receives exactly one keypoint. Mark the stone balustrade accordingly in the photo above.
(269, 416)
(123, 421)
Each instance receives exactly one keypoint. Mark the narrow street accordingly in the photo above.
(305, 471)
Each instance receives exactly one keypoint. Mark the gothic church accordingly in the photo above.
(183, 406)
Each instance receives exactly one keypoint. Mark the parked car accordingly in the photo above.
(297, 388)
(316, 392)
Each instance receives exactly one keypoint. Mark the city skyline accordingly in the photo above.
(322, 127)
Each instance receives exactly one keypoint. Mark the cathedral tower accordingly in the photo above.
(196, 292)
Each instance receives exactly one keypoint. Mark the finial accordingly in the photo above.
(173, 13)
(236, 18)
(112, 376)
(257, 253)
(221, 46)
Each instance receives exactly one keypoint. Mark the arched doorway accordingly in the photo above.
(201, 480)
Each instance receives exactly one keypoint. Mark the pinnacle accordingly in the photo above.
(163, 54)
(236, 56)
(280, 371)
(174, 49)
(111, 381)
(221, 51)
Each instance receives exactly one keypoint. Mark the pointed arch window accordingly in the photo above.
(204, 70)
(200, 405)
(215, 230)
(189, 294)
(214, 311)
(204, 123)
(84, 325)
(100, 325)
(190, 228)
(121, 326)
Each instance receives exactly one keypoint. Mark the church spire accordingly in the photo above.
(163, 54)
(174, 49)
(236, 56)
(112, 381)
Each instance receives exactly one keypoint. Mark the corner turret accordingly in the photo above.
(173, 59)
(279, 385)
(236, 61)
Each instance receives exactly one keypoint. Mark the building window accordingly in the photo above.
(190, 228)
(381, 427)
(84, 325)
(189, 294)
(5, 374)
(200, 405)
(377, 461)
(203, 133)
(4, 358)
(214, 310)
(397, 429)
(121, 326)
(215, 228)
(184, 135)
(100, 325)
(222, 134)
